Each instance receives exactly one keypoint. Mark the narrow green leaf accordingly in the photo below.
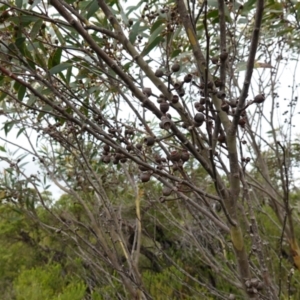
(69, 74)
(31, 100)
(21, 92)
(156, 33)
(20, 131)
(17, 210)
(213, 3)
(175, 53)
(2, 96)
(17, 86)
(40, 59)
(133, 8)
(29, 58)
(122, 13)
(57, 57)
(127, 66)
(8, 126)
(35, 29)
(152, 45)
(177, 32)
(23, 20)
(92, 8)
(54, 60)
(47, 108)
(154, 40)
(59, 68)
(156, 24)
(2, 149)
(19, 42)
(212, 14)
(134, 31)
(242, 21)
(247, 7)
(19, 3)
(58, 34)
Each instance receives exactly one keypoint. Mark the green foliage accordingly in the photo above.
(49, 283)
(171, 283)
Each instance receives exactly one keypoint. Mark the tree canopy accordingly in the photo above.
(167, 128)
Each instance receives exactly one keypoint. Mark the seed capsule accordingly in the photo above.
(181, 92)
(165, 123)
(106, 148)
(106, 159)
(175, 99)
(221, 138)
(199, 118)
(159, 73)
(242, 122)
(149, 141)
(147, 91)
(164, 107)
(167, 191)
(175, 67)
(188, 78)
(225, 107)
(223, 56)
(145, 176)
(259, 98)
(175, 156)
(215, 60)
(185, 156)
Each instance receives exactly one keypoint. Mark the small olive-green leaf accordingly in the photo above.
(21, 92)
(40, 59)
(155, 34)
(152, 45)
(20, 131)
(19, 42)
(29, 58)
(275, 7)
(175, 53)
(134, 31)
(69, 75)
(47, 108)
(212, 14)
(92, 8)
(54, 60)
(247, 7)
(16, 86)
(19, 3)
(35, 29)
(242, 66)
(212, 3)
(59, 68)
(31, 100)
(177, 32)
(242, 21)
(156, 24)
(133, 8)
(58, 34)
(2, 149)
(23, 20)
(8, 126)
(122, 13)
